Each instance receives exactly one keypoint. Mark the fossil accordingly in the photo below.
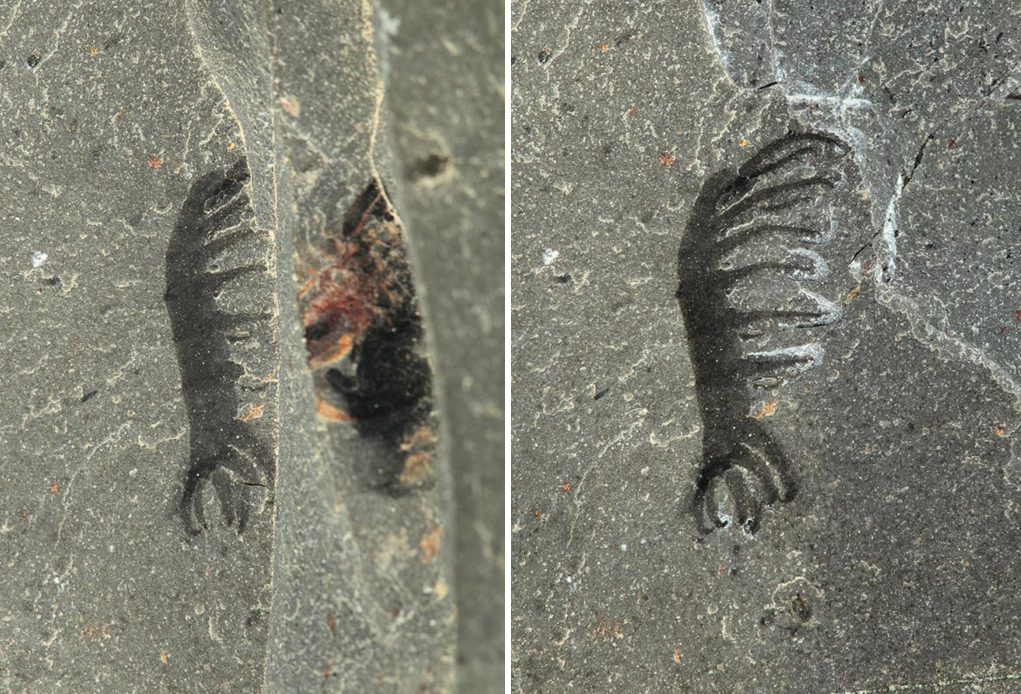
(774, 197)
(225, 450)
(365, 340)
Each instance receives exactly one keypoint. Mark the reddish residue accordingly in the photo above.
(363, 333)
(344, 302)
(363, 279)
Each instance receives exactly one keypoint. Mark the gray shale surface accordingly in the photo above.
(793, 468)
(182, 507)
(446, 81)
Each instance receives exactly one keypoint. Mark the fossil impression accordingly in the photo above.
(749, 230)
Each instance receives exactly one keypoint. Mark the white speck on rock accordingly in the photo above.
(388, 23)
(39, 258)
(549, 255)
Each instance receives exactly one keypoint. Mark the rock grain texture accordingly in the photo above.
(446, 84)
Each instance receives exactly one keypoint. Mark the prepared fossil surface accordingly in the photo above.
(220, 461)
(765, 346)
(365, 341)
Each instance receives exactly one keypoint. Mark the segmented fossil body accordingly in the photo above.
(224, 449)
(775, 197)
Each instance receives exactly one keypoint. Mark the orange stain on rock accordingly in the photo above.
(418, 448)
(851, 294)
(331, 413)
(254, 412)
(430, 544)
(418, 469)
(334, 352)
(423, 436)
